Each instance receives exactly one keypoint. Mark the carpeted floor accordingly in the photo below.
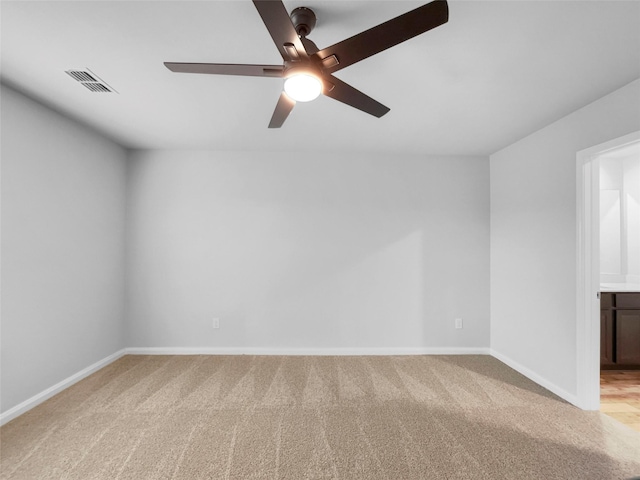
(267, 417)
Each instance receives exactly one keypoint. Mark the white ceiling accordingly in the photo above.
(495, 73)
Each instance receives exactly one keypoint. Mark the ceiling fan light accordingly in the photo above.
(303, 87)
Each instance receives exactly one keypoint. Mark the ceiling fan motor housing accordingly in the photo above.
(295, 68)
(304, 20)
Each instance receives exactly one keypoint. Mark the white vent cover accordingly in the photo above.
(90, 80)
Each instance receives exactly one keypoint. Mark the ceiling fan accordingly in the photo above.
(307, 70)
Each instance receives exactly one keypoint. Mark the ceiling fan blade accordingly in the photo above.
(383, 36)
(282, 111)
(227, 69)
(284, 35)
(345, 93)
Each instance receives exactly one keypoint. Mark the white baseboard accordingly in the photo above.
(57, 388)
(306, 351)
(531, 375)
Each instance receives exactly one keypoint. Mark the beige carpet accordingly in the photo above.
(260, 417)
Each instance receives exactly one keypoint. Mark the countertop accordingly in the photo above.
(620, 287)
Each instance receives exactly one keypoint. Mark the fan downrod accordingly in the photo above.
(303, 20)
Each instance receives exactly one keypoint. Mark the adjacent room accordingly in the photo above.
(208, 274)
(620, 282)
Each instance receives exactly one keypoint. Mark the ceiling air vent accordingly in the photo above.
(90, 80)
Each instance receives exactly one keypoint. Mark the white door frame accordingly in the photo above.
(588, 270)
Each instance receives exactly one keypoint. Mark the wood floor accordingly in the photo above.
(620, 396)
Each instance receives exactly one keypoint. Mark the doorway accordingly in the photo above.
(588, 272)
(620, 284)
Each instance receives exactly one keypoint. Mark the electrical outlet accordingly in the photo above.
(458, 323)
(215, 323)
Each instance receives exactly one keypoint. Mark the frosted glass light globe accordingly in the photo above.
(303, 87)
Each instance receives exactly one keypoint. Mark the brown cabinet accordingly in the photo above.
(606, 338)
(628, 337)
(620, 330)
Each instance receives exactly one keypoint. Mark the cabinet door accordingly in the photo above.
(606, 337)
(628, 337)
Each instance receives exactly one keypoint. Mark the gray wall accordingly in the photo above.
(288, 250)
(63, 200)
(307, 251)
(533, 236)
